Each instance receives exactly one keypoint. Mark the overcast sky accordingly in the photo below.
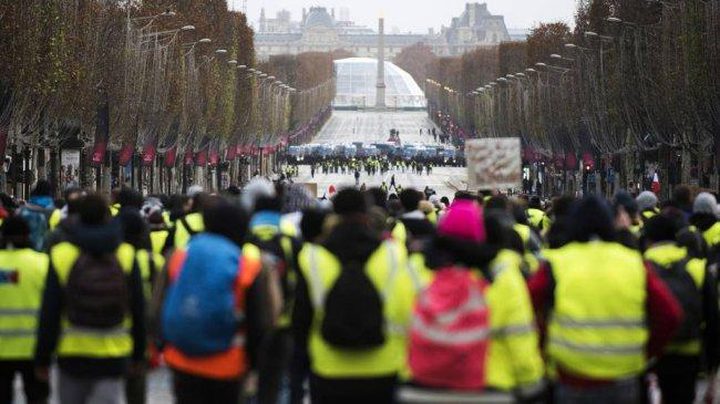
(419, 15)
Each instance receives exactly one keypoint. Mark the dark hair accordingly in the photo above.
(350, 201)
(42, 188)
(445, 200)
(682, 197)
(129, 197)
(660, 228)
(225, 219)
(410, 199)
(534, 202)
(134, 228)
(16, 231)
(311, 224)
(94, 210)
(271, 203)
(591, 217)
(377, 197)
(498, 202)
(562, 205)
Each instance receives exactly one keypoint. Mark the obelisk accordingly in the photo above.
(380, 97)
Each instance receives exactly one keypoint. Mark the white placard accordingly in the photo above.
(494, 163)
(70, 157)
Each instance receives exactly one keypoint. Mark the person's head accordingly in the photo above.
(591, 217)
(682, 197)
(660, 228)
(498, 202)
(562, 205)
(410, 199)
(133, 227)
(194, 190)
(377, 197)
(225, 219)
(463, 220)
(647, 200)
(445, 201)
(257, 188)
(624, 200)
(705, 203)
(296, 198)
(72, 200)
(94, 210)
(534, 202)
(311, 224)
(15, 232)
(268, 203)
(350, 202)
(130, 198)
(42, 188)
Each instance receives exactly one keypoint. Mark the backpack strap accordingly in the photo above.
(185, 224)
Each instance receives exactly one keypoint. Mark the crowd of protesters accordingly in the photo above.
(268, 294)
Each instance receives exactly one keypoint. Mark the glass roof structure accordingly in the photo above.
(357, 80)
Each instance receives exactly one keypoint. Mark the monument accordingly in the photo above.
(380, 97)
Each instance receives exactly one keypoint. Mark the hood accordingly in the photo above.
(96, 240)
(207, 249)
(350, 241)
(42, 201)
(464, 220)
(265, 218)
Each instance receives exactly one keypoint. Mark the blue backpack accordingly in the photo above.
(37, 219)
(200, 315)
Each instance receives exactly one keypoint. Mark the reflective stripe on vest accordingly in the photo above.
(22, 279)
(598, 327)
(475, 301)
(84, 342)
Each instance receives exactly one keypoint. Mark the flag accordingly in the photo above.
(188, 160)
(655, 187)
(171, 156)
(126, 154)
(102, 133)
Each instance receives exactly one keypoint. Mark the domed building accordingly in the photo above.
(355, 83)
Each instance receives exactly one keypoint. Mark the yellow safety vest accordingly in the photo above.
(115, 209)
(146, 272)
(54, 219)
(536, 218)
(385, 269)
(712, 235)
(182, 235)
(91, 343)
(665, 255)
(22, 280)
(598, 327)
(158, 238)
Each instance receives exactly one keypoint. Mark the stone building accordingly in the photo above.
(320, 31)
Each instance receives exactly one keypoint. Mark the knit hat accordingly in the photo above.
(624, 199)
(297, 198)
(194, 190)
(463, 220)
(257, 188)
(646, 200)
(705, 202)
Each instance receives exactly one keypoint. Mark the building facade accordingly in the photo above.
(320, 31)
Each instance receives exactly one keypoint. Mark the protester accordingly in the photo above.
(92, 314)
(212, 347)
(696, 345)
(37, 213)
(602, 311)
(22, 278)
(353, 301)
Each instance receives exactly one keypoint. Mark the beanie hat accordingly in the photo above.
(623, 198)
(350, 201)
(705, 202)
(194, 190)
(646, 200)
(463, 220)
(297, 198)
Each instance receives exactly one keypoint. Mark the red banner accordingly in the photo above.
(231, 152)
(171, 156)
(189, 157)
(148, 155)
(201, 158)
(126, 154)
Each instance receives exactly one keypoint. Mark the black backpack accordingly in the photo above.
(97, 294)
(683, 287)
(354, 317)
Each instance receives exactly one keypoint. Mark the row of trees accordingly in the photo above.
(635, 85)
(154, 97)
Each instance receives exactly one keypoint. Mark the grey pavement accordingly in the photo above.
(374, 126)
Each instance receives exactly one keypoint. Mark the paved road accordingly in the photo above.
(374, 126)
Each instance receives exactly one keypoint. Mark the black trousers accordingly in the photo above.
(677, 376)
(191, 389)
(36, 391)
(352, 391)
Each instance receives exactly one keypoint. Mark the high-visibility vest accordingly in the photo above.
(182, 235)
(232, 363)
(712, 235)
(386, 270)
(536, 218)
(665, 255)
(22, 280)
(148, 269)
(598, 327)
(55, 218)
(84, 342)
(158, 238)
